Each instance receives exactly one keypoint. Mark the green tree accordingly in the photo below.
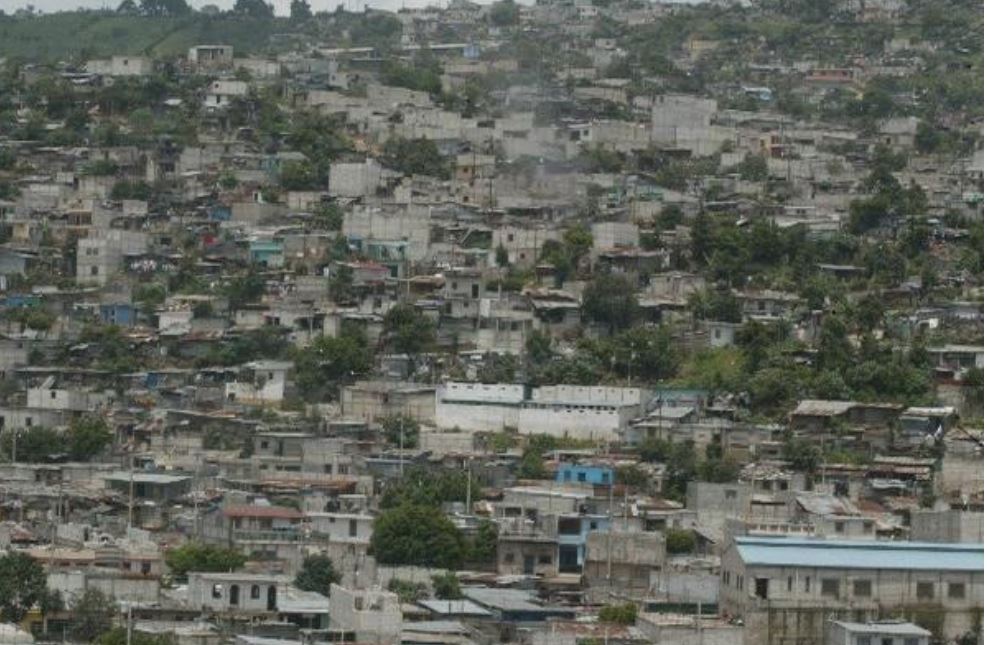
(301, 175)
(329, 361)
(149, 296)
(195, 556)
(503, 260)
(753, 168)
(254, 9)
(408, 331)
(504, 13)
(419, 536)
(415, 157)
(625, 614)
(801, 454)
(413, 77)
(33, 445)
(119, 636)
(87, 437)
(22, 585)
(633, 476)
(407, 591)
(93, 615)
(483, 546)
(164, 8)
(421, 486)
(446, 586)
(245, 289)
(317, 573)
(401, 430)
(300, 10)
(611, 298)
(679, 541)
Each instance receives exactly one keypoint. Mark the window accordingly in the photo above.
(761, 588)
(28, 422)
(887, 640)
(508, 558)
(581, 477)
(740, 582)
(343, 469)
(544, 559)
(93, 270)
(790, 583)
(730, 494)
(840, 527)
(145, 568)
(862, 588)
(956, 590)
(255, 592)
(911, 640)
(924, 591)
(863, 640)
(808, 584)
(831, 587)
(868, 526)
(53, 394)
(352, 528)
(726, 577)
(217, 591)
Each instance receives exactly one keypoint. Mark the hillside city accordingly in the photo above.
(572, 323)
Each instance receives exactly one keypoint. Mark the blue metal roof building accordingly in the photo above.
(855, 554)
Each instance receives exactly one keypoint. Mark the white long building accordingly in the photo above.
(574, 411)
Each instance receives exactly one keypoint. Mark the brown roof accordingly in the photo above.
(272, 512)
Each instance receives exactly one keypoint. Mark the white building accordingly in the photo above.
(260, 382)
(368, 615)
(580, 412)
(879, 633)
(221, 93)
(121, 66)
(101, 253)
(235, 591)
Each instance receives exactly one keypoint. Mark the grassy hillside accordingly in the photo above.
(68, 35)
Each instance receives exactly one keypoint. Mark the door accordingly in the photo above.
(529, 565)
(234, 595)
(272, 598)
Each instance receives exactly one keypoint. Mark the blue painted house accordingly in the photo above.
(122, 314)
(267, 253)
(572, 534)
(584, 474)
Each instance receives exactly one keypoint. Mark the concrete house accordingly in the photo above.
(121, 66)
(366, 615)
(101, 254)
(373, 400)
(877, 633)
(561, 410)
(210, 57)
(241, 592)
(221, 93)
(260, 383)
(788, 587)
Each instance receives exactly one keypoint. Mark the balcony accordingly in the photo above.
(268, 536)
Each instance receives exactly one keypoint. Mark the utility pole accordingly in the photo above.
(469, 485)
(130, 500)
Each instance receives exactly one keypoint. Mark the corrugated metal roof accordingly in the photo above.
(848, 554)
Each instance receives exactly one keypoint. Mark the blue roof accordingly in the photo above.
(856, 554)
